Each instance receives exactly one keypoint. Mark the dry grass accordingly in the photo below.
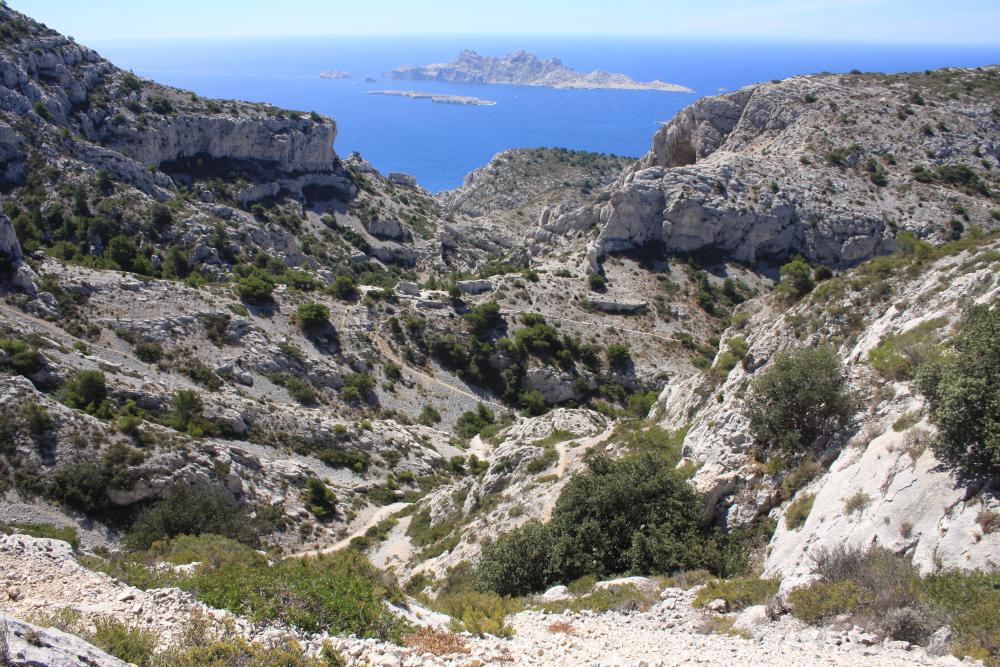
(435, 641)
(564, 627)
(989, 521)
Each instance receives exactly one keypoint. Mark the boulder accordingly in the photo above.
(31, 645)
(475, 286)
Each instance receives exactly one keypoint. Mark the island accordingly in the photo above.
(524, 69)
(438, 98)
(334, 74)
(370, 79)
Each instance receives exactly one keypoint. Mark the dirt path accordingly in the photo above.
(379, 514)
(585, 443)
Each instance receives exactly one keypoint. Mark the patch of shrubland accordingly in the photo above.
(883, 592)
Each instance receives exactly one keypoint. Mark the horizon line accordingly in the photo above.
(571, 35)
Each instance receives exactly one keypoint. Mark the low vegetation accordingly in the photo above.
(884, 592)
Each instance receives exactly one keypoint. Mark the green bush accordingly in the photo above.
(130, 643)
(478, 613)
(322, 501)
(471, 422)
(312, 314)
(533, 402)
(821, 601)
(633, 515)
(339, 593)
(520, 561)
(796, 279)
(798, 511)
(87, 391)
(739, 593)
(897, 357)
(429, 416)
(484, 318)
(37, 418)
(963, 390)
(254, 289)
(148, 352)
(357, 387)
(618, 355)
(21, 358)
(344, 288)
(190, 510)
(800, 397)
(596, 282)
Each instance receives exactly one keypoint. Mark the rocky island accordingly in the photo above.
(334, 74)
(437, 98)
(524, 69)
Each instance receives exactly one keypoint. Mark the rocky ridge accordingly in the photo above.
(827, 166)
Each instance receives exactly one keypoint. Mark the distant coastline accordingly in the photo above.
(334, 74)
(437, 98)
(524, 69)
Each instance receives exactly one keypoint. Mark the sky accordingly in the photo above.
(911, 21)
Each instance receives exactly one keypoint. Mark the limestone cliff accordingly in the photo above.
(829, 167)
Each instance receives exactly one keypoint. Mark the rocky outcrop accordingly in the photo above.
(30, 646)
(12, 266)
(908, 500)
(828, 167)
(525, 69)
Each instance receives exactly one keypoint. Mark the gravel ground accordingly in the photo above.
(38, 577)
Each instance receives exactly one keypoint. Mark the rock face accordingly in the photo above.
(907, 499)
(125, 125)
(828, 167)
(522, 68)
(12, 263)
(30, 646)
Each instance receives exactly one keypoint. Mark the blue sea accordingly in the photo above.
(440, 143)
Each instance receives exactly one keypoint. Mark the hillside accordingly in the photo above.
(262, 401)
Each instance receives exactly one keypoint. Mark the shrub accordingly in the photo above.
(963, 391)
(897, 357)
(533, 402)
(820, 601)
(800, 397)
(36, 418)
(471, 422)
(484, 318)
(312, 314)
(739, 593)
(339, 593)
(300, 391)
(636, 514)
(130, 643)
(796, 279)
(322, 501)
(798, 511)
(519, 562)
(857, 502)
(344, 287)
(21, 358)
(429, 416)
(596, 282)
(357, 387)
(160, 104)
(254, 289)
(87, 391)
(191, 510)
(478, 613)
(148, 352)
(185, 411)
(618, 355)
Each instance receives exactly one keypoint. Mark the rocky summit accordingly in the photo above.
(733, 401)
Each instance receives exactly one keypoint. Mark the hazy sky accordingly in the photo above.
(953, 21)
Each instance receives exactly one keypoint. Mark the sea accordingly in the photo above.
(440, 143)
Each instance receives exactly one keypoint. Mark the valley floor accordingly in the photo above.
(40, 577)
